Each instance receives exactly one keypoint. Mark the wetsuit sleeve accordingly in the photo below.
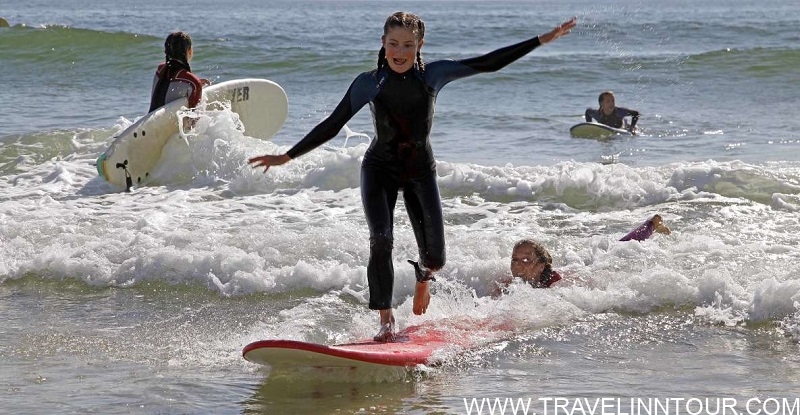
(442, 72)
(358, 95)
(623, 112)
(500, 58)
(591, 113)
(641, 233)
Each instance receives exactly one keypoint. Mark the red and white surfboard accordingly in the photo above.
(416, 345)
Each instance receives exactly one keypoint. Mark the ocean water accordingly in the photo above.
(141, 302)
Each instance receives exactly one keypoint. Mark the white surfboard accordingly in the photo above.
(261, 104)
(595, 130)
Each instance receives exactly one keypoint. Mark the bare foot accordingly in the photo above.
(386, 334)
(422, 297)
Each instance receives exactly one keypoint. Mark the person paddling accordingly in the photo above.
(532, 263)
(612, 115)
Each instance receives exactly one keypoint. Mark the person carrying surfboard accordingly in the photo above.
(532, 263)
(612, 115)
(174, 78)
(401, 93)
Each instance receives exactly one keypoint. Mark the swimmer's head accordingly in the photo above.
(529, 260)
(606, 101)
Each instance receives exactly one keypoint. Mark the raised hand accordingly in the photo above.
(560, 30)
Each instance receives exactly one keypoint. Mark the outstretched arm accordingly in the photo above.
(268, 160)
(440, 73)
(500, 58)
(323, 132)
(558, 31)
(645, 230)
(356, 97)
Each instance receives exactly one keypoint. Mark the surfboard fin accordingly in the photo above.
(128, 179)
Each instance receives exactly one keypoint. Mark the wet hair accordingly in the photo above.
(407, 21)
(603, 95)
(176, 49)
(177, 46)
(543, 256)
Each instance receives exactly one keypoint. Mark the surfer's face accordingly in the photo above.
(401, 46)
(525, 264)
(608, 105)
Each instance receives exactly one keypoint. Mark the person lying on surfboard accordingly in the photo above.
(174, 78)
(612, 115)
(401, 93)
(532, 263)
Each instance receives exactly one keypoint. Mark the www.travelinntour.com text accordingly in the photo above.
(632, 406)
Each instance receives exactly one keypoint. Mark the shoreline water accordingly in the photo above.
(538, 365)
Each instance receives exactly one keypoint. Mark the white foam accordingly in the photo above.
(209, 219)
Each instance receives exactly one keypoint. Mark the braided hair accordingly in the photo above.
(176, 48)
(407, 21)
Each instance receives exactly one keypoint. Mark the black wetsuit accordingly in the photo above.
(400, 156)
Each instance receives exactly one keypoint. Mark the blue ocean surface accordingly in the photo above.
(141, 302)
